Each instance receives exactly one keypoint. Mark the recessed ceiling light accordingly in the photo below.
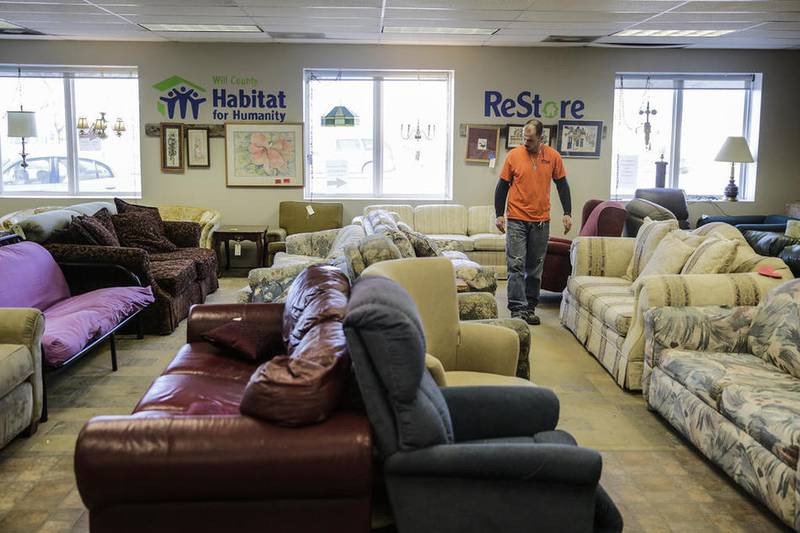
(672, 33)
(238, 28)
(434, 29)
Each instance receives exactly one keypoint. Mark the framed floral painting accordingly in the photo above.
(263, 154)
(172, 148)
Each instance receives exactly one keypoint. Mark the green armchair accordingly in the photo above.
(293, 217)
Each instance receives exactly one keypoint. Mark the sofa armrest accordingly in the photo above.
(476, 306)
(135, 260)
(601, 256)
(778, 228)
(277, 234)
(487, 348)
(183, 234)
(487, 412)
(161, 459)
(705, 329)
(534, 463)
(276, 246)
(730, 219)
(523, 332)
(205, 317)
(25, 326)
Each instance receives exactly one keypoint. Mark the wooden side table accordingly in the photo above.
(226, 234)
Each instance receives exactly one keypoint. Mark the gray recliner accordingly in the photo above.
(464, 459)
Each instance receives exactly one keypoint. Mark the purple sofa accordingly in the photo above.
(75, 321)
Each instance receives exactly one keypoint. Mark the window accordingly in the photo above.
(61, 161)
(396, 144)
(694, 114)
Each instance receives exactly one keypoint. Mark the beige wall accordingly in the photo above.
(555, 73)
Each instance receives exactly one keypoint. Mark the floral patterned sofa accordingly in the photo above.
(728, 379)
(605, 311)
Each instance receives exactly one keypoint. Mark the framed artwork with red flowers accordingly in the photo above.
(263, 154)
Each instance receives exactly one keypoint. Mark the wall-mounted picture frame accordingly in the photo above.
(549, 134)
(263, 154)
(579, 138)
(482, 143)
(515, 135)
(172, 147)
(198, 154)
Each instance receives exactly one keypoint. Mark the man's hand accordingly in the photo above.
(567, 219)
(500, 222)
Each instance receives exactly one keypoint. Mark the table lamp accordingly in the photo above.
(22, 124)
(734, 150)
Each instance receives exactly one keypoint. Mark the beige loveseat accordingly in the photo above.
(605, 311)
(455, 227)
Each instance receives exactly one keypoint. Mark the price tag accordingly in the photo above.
(492, 160)
(309, 210)
(237, 249)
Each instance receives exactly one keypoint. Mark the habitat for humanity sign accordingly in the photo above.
(231, 98)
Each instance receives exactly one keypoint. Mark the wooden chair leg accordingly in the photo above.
(113, 340)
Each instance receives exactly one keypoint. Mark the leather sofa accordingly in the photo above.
(776, 223)
(188, 460)
(776, 245)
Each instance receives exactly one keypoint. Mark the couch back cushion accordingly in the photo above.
(31, 277)
(441, 219)
(647, 240)
(306, 385)
(404, 212)
(350, 234)
(91, 208)
(385, 338)
(775, 329)
(41, 226)
(480, 219)
(294, 218)
(140, 229)
(125, 207)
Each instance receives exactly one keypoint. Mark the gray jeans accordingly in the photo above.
(526, 245)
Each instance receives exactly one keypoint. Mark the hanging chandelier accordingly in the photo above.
(99, 127)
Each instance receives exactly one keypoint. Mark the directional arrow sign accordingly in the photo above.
(338, 182)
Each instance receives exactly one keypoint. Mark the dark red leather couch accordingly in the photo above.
(187, 460)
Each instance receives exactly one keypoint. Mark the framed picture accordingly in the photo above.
(515, 136)
(197, 152)
(549, 134)
(482, 143)
(171, 147)
(579, 138)
(263, 154)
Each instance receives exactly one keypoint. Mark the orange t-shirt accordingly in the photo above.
(530, 175)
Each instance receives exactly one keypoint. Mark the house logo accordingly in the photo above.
(179, 96)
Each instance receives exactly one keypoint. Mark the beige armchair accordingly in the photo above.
(459, 352)
(21, 393)
(209, 219)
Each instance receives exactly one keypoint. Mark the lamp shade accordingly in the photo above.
(339, 116)
(735, 150)
(21, 124)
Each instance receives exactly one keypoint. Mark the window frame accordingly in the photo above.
(752, 98)
(69, 74)
(377, 76)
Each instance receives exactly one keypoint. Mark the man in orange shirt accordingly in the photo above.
(525, 183)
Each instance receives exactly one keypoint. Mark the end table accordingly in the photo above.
(226, 234)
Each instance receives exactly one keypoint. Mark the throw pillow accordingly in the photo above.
(715, 255)
(647, 239)
(793, 229)
(140, 230)
(670, 255)
(379, 220)
(773, 332)
(401, 241)
(90, 230)
(423, 245)
(125, 207)
(246, 340)
(104, 216)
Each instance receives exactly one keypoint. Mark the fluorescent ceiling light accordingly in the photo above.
(240, 28)
(672, 33)
(434, 29)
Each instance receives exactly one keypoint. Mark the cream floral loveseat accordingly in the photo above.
(209, 220)
(728, 379)
(605, 311)
(470, 230)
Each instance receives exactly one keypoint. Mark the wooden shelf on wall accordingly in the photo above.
(214, 130)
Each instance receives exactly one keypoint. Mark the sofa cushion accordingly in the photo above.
(245, 340)
(671, 254)
(92, 208)
(460, 243)
(775, 331)
(480, 219)
(609, 300)
(39, 227)
(350, 234)
(30, 277)
(769, 413)
(174, 276)
(377, 248)
(647, 240)
(582, 287)
(438, 219)
(202, 358)
(305, 289)
(715, 255)
(72, 323)
(16, 365)
(192, 394)
(404, 211)
(87, 229)
(488, 242)
(125, 207)
(379, 220)
(205, 260)
(707, 374)
(140, 229)
(423, 245)
(402, 242)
